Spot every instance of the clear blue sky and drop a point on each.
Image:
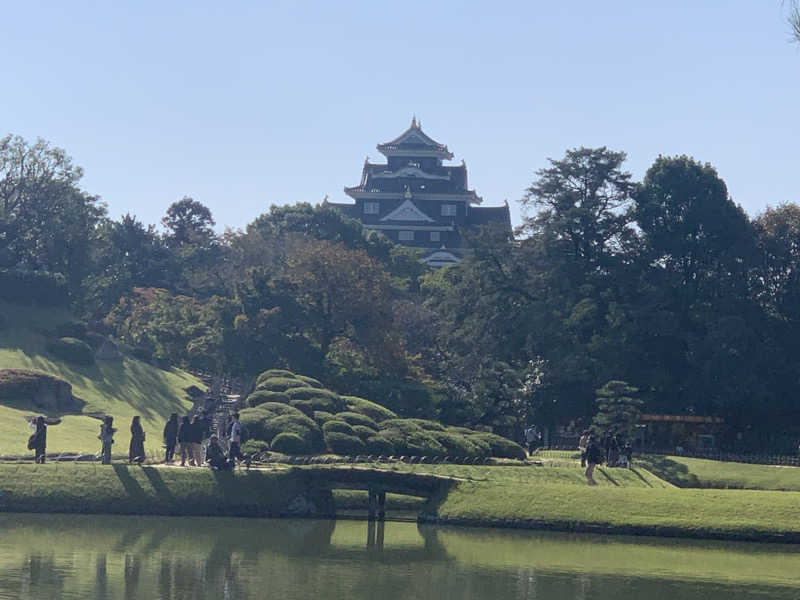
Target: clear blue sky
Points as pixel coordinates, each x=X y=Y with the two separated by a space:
x=246 y=104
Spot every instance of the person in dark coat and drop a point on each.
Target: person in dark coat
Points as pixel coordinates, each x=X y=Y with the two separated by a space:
x=185 y=440
x=106 y=437
x=136 y=448
x=38 y=442
x=215 y=455
x=170 y=437
x=594 y=457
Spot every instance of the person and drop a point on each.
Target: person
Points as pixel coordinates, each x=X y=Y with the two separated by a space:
x=583 y=442
x=215 y=455
x=38 y=440
x=530 y=438
x=594 y=457
x=236 y=439
x=612 y=449
x=136 y=448
x=627 y=454
x=196 y=431
x=170 y=437
x=185 y=440
x=106 y=437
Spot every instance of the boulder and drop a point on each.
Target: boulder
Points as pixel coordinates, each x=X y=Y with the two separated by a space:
x=46 y=392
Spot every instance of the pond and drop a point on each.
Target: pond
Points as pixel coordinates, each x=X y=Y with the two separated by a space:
x=81 y=556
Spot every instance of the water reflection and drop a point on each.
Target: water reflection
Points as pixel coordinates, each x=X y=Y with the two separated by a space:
x=55 y=556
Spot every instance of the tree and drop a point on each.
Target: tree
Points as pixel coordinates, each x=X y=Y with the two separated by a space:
x=46 y=221
x=794 y=20
x=618 y=409
x=582 y=203
x=189 y=223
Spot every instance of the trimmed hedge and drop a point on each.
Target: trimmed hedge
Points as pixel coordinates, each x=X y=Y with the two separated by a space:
x=38 y=287
x=357 y=419
x=279 y=408
x=265 y=425
x=254 y=447
x=290 y=443
x=72 y=350
x=338 y=427
x=458 y=444
x=271 y=373
x=341 y=443
x=261 y=396
x=410 y=439
x=321 y=416
x=363 y=431
x=279 y=384
x=374 y=411
x=309 y=393
x=379 y=445
x=310 y=381
x=502 y=447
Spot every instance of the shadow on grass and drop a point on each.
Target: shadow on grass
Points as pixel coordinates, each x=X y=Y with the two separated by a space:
x=640 y=476
x=669 y=470
x=160 y=488
x=607 y=476
x=132 y=488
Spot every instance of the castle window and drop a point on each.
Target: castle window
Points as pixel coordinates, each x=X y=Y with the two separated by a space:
x=436 y=236
x=405 y=236
x=448 y=210
x=372 y=208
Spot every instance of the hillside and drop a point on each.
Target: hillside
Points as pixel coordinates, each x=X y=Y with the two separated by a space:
x=122 y=388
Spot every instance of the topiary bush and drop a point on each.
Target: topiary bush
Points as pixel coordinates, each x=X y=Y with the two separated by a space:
x=357 y=419
x=363 y=431
x=278 y=408
x=379 y=445
x=457 y=444
x=374 y=411
x=338 y=427
x=290 y=443
x=410 y=439
x=279 y=384
x=254 y=447
x=341 y=443
x=312 y=399
x=71 y=350
x=320 y=416
x=501 y=447
x=261 y=396
x=270 y=373
x=310 y=381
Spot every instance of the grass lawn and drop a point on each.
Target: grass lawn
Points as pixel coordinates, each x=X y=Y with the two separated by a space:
x=121 y=388
x=704 y=473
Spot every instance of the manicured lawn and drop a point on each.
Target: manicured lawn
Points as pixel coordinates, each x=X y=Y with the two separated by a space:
x=121 y=388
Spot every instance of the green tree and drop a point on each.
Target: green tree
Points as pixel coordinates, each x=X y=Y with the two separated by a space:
x=618 y=409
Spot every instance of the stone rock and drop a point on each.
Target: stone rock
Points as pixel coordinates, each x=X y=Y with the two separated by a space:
x=108 y=351
x=46 y=392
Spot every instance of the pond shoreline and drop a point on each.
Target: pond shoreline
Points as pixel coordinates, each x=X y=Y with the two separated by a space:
x=533 y=503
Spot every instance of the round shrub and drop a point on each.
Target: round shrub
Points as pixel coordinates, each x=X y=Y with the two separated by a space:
x=262 y=396
x=269 y=373
x=290 y=443
x=461 y=430
x=341 y=443
x=71 y=350
x=428 y=425
x=338 y=427
x=356 y=419
x=502 y=447
x=457 y=444
x=279 y=384
x=410 y=439
x=278 y=408
x=310 y=381
x=254 y=447
x=374 y=411
x=307 y=393
x=379 y=445
x=363 y=431
x=320 y=416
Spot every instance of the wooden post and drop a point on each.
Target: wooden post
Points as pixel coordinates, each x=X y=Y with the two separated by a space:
x=381 y=505
x=373 y=501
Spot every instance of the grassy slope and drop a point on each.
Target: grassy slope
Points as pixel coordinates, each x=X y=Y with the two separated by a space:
x=703 y=473
x=119 y=388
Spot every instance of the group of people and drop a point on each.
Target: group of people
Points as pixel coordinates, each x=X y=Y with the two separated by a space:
x=187 y=436
x=609 y=450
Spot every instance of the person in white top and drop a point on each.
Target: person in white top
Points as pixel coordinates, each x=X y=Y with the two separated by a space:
x=236 y=440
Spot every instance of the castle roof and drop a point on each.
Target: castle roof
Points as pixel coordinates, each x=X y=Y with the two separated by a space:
x=414 y=142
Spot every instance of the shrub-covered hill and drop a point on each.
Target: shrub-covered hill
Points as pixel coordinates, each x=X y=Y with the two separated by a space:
x=40 y=347
x=295 y=414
